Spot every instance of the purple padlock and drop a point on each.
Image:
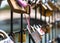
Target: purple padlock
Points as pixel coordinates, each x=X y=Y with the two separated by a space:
x=22 y=3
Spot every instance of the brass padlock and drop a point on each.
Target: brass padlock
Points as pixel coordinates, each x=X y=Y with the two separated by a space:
x=16 y=8
x=45 y=11
x=24 y=37
x=19 y=36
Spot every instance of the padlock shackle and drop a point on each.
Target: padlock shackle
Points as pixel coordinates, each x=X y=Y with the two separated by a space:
x=48 y=6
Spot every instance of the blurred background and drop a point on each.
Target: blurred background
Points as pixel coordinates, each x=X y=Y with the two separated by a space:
x=5 y=18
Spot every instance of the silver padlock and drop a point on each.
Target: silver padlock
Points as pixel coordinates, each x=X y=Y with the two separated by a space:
x=34 y=34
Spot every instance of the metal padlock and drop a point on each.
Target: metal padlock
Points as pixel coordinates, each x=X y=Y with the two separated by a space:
x=24 y=37
x=18 y=9
x=35 y=30
x=46 y=10
x=34 y=34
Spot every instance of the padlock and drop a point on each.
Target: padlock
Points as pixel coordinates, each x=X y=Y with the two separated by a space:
x=19 y=37
x=18 y=9
x=24 y=37
x=40 y=32
x=45 y=11
x=23 y=4
x=34 y=34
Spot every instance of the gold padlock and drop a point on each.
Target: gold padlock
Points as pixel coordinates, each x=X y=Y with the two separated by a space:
x=19 y=36
x=45 y=11
x=24 y=37
x=16 y=8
